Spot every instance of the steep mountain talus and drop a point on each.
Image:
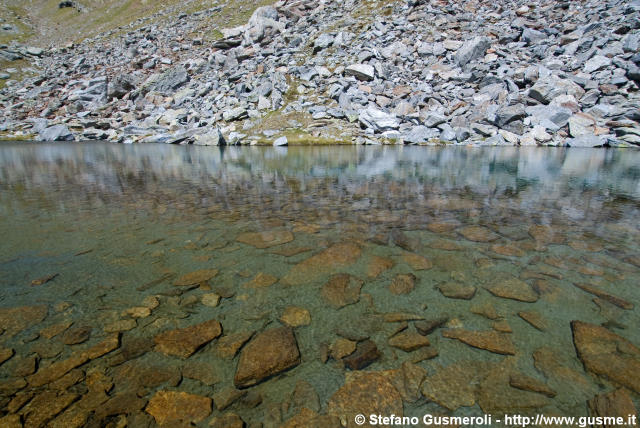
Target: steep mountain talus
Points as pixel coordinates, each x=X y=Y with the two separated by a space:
x=320 y=72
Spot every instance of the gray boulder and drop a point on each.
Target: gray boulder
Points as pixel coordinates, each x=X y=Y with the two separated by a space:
x=531 y=36
x=322 y=42
x=588 y=140
x=508 y=114
x=420 y=134
x=120 y=86
x=282 y=141
x=548 y=88
x=213 y=138
x=471 y=50
x=551 y=117
x=360 y=71
x=262 y=25
x=56 y=133
x=596 y=63
x=170 y=80
x=378 y=120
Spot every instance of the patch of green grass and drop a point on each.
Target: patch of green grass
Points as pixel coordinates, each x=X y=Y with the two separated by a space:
x=301 y=137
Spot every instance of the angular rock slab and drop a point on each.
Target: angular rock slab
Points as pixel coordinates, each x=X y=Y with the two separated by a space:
x=478 y=234
x=492 y=341
x=497 y=396
x=265 y=239
x=342 y=290
x=616 y=403
x=14 y=320
x=336 y=257
x=514 y=289
x=456 y=385
x=196 y=277
x=365 y=393
x=606 y=354
x=269 y=353
x=184 y=342
x=177 y=408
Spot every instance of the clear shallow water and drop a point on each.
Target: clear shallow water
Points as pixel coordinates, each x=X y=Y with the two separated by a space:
x=117 y=224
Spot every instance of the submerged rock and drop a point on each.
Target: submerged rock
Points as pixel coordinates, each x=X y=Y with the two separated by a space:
x=295 y=317
x=456 y=290
x=327 y=261
x=269 y=353
x=366 y=353
x=403 y=284
x=489 y=340
x=513 y=288
x=478 y=234
x=265 y=239
x=366 y=393
x=342 y=290
x=196 y=277
x=178 y=408
x=15 y=320
x=408 y=341
x=456 y=385
x=606 y=354
x=617 y=404
x=184 y=342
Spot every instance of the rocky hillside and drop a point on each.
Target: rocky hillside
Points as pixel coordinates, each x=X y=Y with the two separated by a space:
x=352 y=72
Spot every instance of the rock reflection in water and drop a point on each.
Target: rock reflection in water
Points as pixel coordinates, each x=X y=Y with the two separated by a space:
x=300 y=286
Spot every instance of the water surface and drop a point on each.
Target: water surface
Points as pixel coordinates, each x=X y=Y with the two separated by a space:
x=92 y=230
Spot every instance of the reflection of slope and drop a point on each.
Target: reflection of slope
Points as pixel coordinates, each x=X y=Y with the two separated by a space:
x=544 y=174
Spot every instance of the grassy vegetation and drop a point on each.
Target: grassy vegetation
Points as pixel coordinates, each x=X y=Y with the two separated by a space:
x=59 y=26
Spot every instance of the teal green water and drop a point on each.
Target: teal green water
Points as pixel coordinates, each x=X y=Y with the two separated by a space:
x=116 y=224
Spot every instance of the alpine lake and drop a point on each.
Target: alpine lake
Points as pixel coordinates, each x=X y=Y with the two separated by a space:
x=158 y=285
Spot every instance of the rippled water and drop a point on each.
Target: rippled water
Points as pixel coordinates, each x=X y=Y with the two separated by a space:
x=477 y=238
